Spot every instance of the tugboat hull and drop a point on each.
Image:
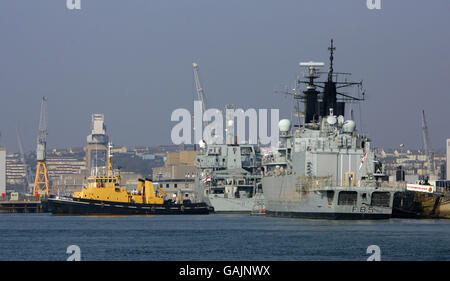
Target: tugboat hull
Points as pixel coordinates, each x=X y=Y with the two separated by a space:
x=77 y=206
x=410 y=204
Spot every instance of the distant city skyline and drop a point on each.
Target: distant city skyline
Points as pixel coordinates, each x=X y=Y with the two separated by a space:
x=132 y=62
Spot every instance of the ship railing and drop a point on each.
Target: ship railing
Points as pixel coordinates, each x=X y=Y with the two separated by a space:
x=277 y=172
x=312 y=183
x=273 y=159
x=387 y=185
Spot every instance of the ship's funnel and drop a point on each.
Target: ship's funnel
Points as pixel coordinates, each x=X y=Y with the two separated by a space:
x=140 y=186
x=149 y=191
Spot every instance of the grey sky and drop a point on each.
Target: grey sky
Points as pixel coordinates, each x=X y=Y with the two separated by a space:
x=132 y=61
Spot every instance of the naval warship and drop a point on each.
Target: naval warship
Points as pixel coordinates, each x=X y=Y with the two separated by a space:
x=324 y=168
x=230 y=177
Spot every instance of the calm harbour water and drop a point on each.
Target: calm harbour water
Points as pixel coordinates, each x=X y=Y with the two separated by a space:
x=43 y=237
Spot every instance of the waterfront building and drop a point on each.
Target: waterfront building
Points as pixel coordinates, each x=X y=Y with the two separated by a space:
x=15 y=169
x=2 y=171
x=448 y=159
x=177 y=177
x=97 y=142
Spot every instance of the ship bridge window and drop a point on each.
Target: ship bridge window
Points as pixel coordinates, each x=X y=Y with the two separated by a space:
x=443 y=184
x=330 y=196
x=381 y=199
x=347 y=198
x=218 y=191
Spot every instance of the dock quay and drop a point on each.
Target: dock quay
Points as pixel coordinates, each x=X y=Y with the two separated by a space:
x=18 y=206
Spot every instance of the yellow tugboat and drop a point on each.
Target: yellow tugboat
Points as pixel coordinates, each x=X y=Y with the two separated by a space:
x=104 y=195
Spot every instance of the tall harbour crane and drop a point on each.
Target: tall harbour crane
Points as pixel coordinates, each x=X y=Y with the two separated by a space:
x=28 y=173
x=202 y=98
x=426 y=143
x=199 y=88
x=200 y=95
x=41 y=183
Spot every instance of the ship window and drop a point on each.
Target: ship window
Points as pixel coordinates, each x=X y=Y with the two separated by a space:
x=347 y=198
x=381 y=199
x=167 y=185
x=330 y=196
x=175 y=185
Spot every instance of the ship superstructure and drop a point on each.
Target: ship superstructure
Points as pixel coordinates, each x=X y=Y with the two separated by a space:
x=324 y=168
x=230 y=177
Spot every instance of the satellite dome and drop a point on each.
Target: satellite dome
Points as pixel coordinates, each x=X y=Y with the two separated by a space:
x=284 y=125
x=340 y=119
x=349 y=126
x=202 y=143
x=230 y=123
x=331 y=120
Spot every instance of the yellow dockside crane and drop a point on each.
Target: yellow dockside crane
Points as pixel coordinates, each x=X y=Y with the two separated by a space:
x=41 y=183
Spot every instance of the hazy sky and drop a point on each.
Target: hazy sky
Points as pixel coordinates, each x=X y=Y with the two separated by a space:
x=132 y=61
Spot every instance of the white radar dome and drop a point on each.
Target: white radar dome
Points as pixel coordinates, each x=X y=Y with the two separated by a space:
x=349 y=126
x=230 y=123
x=202 y=144
x=284 y=125
x=331 y=120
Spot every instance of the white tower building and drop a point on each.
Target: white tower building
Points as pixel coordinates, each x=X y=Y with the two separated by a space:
x=2 y=171
x=97 y=141
x=448 y=159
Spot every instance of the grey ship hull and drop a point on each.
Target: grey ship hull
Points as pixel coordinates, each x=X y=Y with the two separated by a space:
x=231 y=205
x=284 y=198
